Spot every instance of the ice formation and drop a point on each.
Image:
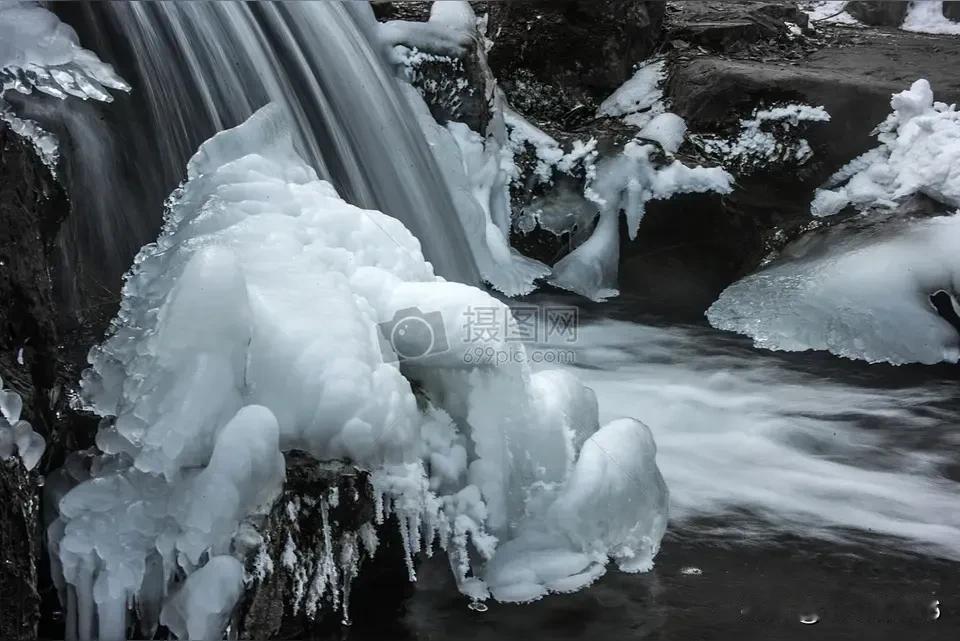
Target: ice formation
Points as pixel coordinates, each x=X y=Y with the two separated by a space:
x=919 y=152
x=256 y=323
x=17 y=436
x=768 y=137
x=926 y=16
x=626 y=183
x=858 y=294
x=38 y=52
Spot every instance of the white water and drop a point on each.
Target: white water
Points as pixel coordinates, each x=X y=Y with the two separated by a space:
x=752 y=447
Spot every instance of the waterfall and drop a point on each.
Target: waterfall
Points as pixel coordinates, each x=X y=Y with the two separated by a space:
x=201 y=67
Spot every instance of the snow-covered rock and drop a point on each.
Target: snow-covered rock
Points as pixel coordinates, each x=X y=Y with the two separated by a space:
x=769 y=140
x=919 y=153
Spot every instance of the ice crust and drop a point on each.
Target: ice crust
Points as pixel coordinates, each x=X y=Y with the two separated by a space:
x=862 y=295
x=252 y=326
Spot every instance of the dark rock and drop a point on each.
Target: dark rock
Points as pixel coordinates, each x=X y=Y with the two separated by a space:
x=575 y=52
x=19 y=552
x=730 y=27
x=33 y=206
x=951 y=10
x=321 y=516
x=885 y=13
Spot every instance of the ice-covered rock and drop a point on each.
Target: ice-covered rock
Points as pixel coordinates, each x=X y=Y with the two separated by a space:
x=919 y=152
x=39 y=52
x=272 y=315
x=476 y=165
x=862 y=294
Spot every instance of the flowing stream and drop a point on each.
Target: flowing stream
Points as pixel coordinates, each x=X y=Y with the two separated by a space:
x=806 y=490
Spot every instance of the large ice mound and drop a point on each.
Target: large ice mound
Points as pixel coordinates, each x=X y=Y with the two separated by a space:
x=858 y=294
x=253 y=325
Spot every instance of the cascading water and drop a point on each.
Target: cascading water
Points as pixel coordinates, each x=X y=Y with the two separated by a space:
x=199 y=68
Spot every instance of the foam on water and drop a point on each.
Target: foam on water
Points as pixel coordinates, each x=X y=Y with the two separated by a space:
x=750 y=442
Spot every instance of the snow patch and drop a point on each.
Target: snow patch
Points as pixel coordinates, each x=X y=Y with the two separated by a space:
x=829 y=12
x=640 y=98
x=919 y=153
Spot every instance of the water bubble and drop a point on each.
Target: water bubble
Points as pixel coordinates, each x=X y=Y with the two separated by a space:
x=478 y=606
x=691 y=571
x=809 y=619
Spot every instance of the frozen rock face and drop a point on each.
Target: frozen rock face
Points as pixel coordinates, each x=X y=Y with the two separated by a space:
x=271 y=315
